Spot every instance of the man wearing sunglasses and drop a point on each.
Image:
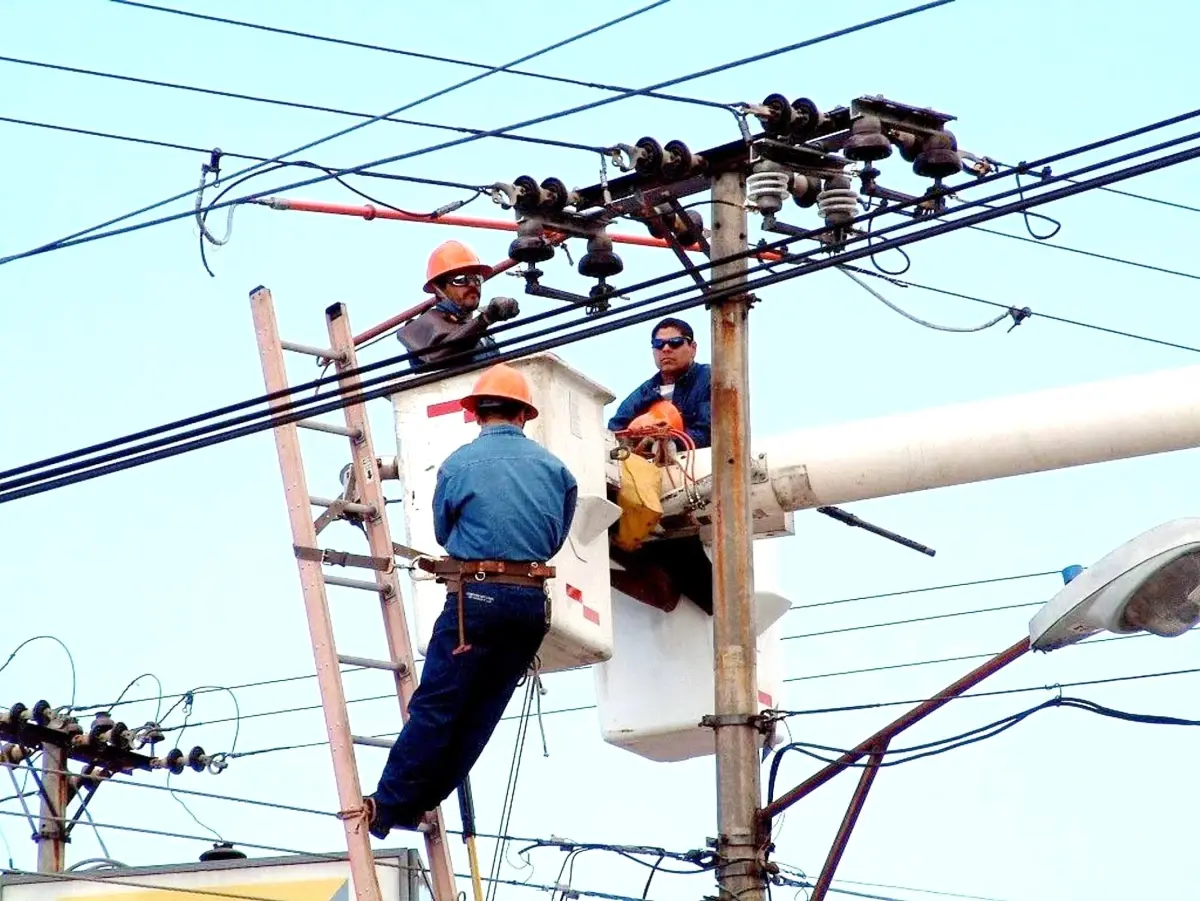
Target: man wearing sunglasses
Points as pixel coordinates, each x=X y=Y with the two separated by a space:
x=680 y=379
x=455 y=276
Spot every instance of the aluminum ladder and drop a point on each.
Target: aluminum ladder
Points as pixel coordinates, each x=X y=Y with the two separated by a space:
x=363 y=499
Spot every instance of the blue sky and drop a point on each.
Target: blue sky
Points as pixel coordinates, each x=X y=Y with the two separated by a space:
x=183 y=568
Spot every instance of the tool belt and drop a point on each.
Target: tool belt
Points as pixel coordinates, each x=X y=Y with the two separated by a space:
x=457 y=573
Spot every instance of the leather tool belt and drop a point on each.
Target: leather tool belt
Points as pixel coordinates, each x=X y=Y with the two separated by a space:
x=457 y=573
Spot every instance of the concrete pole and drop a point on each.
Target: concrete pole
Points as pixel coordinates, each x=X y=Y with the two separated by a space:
x=52 y=834
x=736 y=705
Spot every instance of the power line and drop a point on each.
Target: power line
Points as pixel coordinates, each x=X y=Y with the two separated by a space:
x=575 y=82
x=993 y=580
x=171 y=145
x=917 y=619
x=77 y=236
x=95 y=233
x=129 y=459
x=1056 y=686
x=293 y=104
x=1090 y=253
x=58 y=641
x=393 y=384
x=906 y=283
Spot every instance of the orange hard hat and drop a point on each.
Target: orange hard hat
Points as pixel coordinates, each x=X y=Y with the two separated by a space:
x=661 y=413
x=505 y=383
x=453 y=258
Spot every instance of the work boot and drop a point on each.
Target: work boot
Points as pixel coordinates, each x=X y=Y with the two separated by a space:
x=375 y=825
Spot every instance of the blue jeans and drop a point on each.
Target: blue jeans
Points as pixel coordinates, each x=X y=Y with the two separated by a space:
x=461 y=697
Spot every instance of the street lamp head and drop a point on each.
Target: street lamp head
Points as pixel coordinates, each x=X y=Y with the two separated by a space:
x=1149 y=584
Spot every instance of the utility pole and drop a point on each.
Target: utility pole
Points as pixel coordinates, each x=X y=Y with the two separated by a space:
x=54 y=792
x=736 y=702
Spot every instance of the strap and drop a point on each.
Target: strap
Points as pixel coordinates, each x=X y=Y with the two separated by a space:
x=330 y=557
x=448 y=566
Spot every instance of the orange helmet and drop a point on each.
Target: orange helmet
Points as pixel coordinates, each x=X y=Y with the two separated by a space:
x=661 y=414
x=453 y=258
x=505 y=383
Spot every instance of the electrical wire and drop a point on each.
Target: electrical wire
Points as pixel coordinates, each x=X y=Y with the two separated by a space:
x=532 y=684
x=995 y=693
x=293 y=104
x=171 y=145
x=576 y=82
x=159 y=699
x=188 y=704
x=1092 y=254
x=96 y=232
x=56 y=640
x=644 y=284
x=917 y=619
x=906 y=283
x=709 y=296
x=394 y=386
x=921 y=891
x=925 y=589
x=917 y=319
x=898 y=756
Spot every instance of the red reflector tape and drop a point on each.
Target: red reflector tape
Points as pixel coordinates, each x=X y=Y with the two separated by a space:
x=764 y=698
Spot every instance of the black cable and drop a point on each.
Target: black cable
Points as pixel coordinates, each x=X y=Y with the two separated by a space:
x=292 y=104
x=62 y=644
x=1089 y=253
x=993 y=580
x=940 y=227
x=906 y=283
x=995 y=693
x=576 y=82
x=94 y=232
x=917 y=619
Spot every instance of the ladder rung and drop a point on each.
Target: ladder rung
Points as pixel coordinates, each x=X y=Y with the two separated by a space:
x=372 y=742
x=347 y=506
x=324 y=353
x=356 y=583
x=356 y=434
x=394 y=666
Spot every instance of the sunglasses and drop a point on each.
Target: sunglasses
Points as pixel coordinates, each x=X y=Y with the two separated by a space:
x=674 y=343
x=461 y=281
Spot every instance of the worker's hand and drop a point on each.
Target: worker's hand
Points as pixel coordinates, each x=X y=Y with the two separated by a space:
x=500 y=309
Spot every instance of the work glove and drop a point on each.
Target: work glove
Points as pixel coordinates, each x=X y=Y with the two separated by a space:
x=500 y=309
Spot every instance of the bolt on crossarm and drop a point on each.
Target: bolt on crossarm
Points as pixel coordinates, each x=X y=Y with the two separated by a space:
x=739 y=842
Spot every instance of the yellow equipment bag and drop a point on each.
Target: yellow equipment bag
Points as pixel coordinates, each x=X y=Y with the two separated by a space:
x=639 y=500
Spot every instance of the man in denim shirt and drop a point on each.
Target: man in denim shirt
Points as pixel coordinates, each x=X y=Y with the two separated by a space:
x=503 y=497
x=680 y=379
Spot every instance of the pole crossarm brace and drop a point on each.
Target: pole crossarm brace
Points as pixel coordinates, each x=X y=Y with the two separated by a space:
x=874 y=748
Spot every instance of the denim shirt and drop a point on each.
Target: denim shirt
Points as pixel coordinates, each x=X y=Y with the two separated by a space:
x=692 y=397
x=503 y=497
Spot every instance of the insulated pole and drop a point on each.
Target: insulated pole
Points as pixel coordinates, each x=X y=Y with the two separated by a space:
x=52 y=828
x=741 y=874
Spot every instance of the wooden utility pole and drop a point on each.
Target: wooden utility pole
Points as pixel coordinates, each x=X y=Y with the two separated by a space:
x=736 y=703
x=52 y=825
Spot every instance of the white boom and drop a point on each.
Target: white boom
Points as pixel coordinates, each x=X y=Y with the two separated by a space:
x=972 y=442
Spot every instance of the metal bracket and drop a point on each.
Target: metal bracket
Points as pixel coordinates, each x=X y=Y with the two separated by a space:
x=763 y=722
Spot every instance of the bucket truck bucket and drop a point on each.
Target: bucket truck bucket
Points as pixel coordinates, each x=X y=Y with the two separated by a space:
x=431 y=424
x=658 y=684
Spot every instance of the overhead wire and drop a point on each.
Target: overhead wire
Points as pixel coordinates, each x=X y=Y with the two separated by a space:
x=96 y=232
x=92 y=231
x=62 y=644
x=940 y=227
x=911 y=317
x=429 y=57
x=1120 y=333
x=294 y=104
x=917 y=619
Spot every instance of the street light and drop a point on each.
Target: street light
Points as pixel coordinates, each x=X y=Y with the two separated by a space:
x=1149 y=584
